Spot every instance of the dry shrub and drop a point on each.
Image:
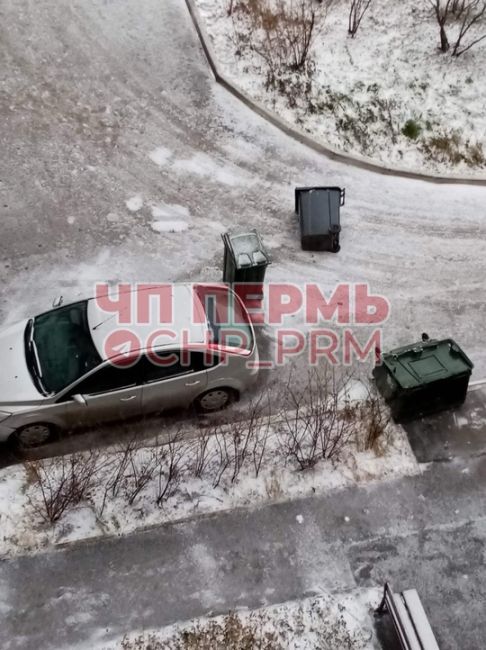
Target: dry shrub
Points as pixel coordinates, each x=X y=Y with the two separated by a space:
x=226 y=449
x=357 y=10
x=172 y=463
x=317 y=425
x=375 y=418
x=450 y=148
x=63 y=483
x=280 y=32
x=231 y=633
x=469 y=14
x=201 y=454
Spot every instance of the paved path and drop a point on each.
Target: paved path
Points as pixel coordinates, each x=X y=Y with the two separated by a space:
x=428 y=532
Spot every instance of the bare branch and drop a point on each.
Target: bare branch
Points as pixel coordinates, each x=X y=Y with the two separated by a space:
x=357 y=10
x=473 y=13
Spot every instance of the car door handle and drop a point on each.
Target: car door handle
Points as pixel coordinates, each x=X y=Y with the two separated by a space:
x=193 y=383
x=128 y=399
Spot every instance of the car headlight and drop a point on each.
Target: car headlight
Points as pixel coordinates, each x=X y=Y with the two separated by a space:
x=4 y=415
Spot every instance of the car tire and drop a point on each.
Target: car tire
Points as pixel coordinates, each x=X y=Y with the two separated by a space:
x=215 y=399
x=33 y=435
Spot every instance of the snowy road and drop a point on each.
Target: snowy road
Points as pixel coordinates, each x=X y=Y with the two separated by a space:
x=111 y=126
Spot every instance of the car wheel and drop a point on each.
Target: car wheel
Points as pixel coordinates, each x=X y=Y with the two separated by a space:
x=215 y=400
x=33 y=435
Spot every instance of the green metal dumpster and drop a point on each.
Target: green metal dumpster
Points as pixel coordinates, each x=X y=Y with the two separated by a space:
x=423 y=378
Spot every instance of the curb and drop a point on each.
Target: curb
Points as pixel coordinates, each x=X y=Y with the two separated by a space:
x=360 y=162
x=476 y=384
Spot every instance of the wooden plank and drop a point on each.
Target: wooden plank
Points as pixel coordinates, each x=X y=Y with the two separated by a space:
x=419 y=619
x=403 y=625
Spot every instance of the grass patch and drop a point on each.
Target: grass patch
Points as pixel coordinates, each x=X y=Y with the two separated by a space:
x=411 y=129
x=450 y=148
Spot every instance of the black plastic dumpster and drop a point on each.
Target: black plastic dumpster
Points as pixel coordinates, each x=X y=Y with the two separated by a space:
x=245 y=258
x=318 y=209
x=423 y=378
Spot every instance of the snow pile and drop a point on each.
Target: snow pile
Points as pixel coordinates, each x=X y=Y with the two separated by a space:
x=170 y=218
x=13 y=510
x=135 y=203
x=327 y=622
x=388 y=93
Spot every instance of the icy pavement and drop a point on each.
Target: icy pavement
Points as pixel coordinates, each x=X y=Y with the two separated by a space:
x=452 y=434
x=109 y=118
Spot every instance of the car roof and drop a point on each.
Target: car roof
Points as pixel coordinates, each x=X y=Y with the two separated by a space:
x=188 y=319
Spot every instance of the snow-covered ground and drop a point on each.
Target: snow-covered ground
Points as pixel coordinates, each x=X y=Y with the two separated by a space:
x=232 y=468
x=325 y=622
x=76 y=211
x=365 y=89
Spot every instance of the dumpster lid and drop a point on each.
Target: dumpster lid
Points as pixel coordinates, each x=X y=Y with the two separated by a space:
x=425 y=362
x=247 y=249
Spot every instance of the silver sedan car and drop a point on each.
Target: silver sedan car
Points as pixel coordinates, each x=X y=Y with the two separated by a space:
x=59 y=373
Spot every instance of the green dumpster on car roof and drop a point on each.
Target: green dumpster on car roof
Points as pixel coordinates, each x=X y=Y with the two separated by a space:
x=424 y=377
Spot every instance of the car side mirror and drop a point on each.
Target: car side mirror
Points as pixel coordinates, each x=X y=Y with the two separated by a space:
x=57 y=302
x=79 y=399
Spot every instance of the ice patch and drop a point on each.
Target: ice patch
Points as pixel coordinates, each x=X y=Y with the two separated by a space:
x=203 y=165
x=169 y=226
x=135 y=203
x=170 y=211
x=160 y=156
x=354 y=391
x=167 y=218
x=461 y=421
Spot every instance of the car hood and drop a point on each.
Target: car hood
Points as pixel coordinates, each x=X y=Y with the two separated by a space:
x=16 y=384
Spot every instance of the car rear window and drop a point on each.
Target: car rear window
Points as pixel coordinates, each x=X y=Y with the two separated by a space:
x=228 y=320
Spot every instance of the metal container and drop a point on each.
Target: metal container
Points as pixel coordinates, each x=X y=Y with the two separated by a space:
x=423 y=378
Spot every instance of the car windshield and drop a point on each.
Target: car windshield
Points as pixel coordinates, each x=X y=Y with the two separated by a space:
x=227 y=319
x=59 y=347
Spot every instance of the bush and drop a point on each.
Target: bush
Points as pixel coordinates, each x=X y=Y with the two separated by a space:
x=375 y=418
x=411 y=129
x=281 y=33
x=318 y=426
x=449 y=147
x=62 y=483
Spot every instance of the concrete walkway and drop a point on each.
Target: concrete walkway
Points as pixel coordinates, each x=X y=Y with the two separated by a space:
x=428 y=532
